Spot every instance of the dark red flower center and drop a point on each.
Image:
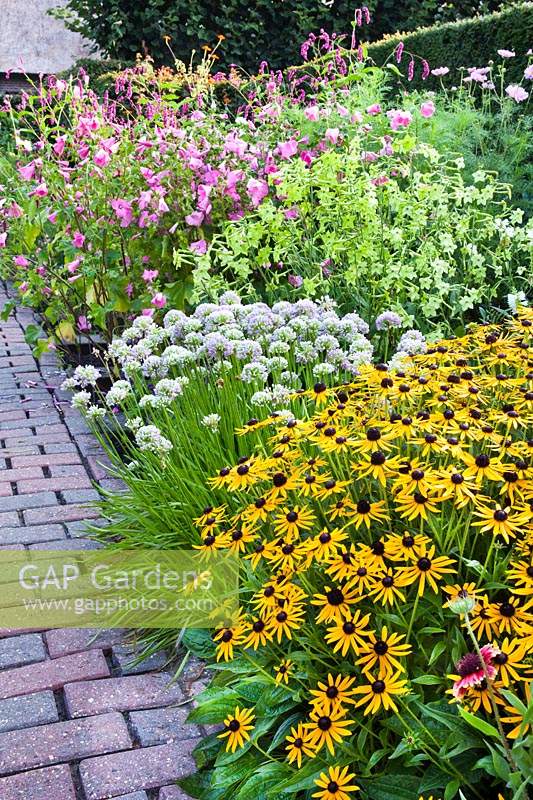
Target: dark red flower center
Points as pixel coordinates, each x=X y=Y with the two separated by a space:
x=468 y=664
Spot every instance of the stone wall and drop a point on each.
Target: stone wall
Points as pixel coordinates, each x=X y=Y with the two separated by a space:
x=31 y=41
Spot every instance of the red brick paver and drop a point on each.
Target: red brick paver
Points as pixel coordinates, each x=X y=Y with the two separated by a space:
x=66 y=732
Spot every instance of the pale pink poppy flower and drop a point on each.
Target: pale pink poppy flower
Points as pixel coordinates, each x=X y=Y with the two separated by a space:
x=427 y=109
x=516 y=93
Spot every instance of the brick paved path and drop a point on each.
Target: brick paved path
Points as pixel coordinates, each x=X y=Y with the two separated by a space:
x=77 y=720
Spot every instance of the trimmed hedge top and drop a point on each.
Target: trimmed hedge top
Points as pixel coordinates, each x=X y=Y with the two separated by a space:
x=467 y=43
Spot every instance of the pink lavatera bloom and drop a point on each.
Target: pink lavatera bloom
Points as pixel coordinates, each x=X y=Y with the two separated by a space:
x=78 y=240
x=3 y=239
x=21 y=261
x=150 y=275
x=332 y=135
x=101 y=158
x=288 y=149
x=312 y=113
x=27 y=171
x=40 y=191
x=195 y=219
x=159 y=300
x=257 y=190
x=15 y=211
x=59 y=145
x=199 y=247
x=123 y=211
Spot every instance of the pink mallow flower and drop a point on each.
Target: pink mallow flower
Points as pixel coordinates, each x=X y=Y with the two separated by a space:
x=374 y=110
x=471 y=672
x=23 y=287
x=440 y=71
x=150 y=275
x=427 y=109
x=72 y=266
x=40 y=191
x=399 y=118
x=20 y=261
x=516 y=92
x=159 y=300
x=59 y=145
x=3 y=238
x=506 y=53
x=528 y=73
x=199 y=247
x=312 y=113
x=15 y=211
x=332 y=135
x=27 y=171
x=288 y=149
x=195 y=219
x=101 y=158
x=257 y=190
x=123 y=210
x=78 y=240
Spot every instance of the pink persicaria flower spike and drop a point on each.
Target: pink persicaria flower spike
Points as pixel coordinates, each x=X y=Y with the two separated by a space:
x=471 y=672
x=427 y=109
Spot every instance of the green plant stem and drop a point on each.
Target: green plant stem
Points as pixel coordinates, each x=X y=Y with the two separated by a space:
x=492 y=696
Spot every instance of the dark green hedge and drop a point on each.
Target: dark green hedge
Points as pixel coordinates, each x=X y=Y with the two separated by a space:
x=253 y=29
x=468 y=43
